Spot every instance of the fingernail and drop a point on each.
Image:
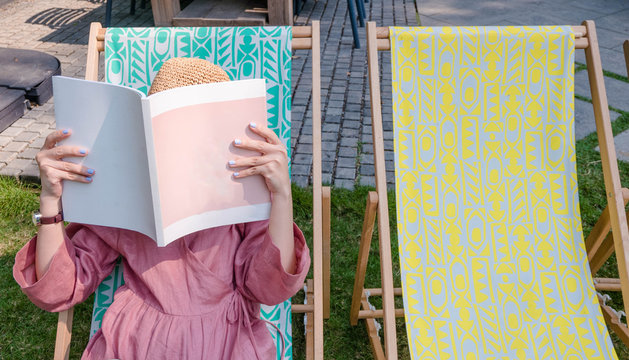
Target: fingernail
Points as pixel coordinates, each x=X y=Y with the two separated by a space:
x=253 y=125
x=232 y=162
x=88 y=178
x=236 y=174
x=82 y=151
x=65 y=131
x=237 y=142
x=90 y=171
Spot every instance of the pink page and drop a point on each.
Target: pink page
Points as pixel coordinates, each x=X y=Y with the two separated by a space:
x=192 y=146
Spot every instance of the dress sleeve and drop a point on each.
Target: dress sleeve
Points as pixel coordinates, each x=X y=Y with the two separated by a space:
x=260 y=275
x=76 y=269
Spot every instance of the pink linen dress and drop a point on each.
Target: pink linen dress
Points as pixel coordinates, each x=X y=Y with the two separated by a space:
x=197 y=298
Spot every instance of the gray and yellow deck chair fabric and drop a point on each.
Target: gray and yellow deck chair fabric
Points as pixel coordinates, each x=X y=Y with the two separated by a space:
x=492 y=258
x=133 y=56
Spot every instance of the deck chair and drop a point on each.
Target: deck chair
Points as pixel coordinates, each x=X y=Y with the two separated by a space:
x=459 y=265
x=132 y=58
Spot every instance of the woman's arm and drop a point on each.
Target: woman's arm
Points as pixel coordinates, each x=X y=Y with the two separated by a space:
x=273 y=166
x=53 y=170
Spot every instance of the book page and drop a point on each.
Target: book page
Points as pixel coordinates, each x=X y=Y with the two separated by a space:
x=192 y=130
x=106 y=120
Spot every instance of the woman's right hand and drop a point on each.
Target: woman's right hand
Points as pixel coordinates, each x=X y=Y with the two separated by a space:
x=53 y=169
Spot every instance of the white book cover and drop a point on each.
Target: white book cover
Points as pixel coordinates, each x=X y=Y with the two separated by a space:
x=161 y=161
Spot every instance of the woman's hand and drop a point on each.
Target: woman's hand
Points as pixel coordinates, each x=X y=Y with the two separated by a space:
x=53 y=169
x=272 y=164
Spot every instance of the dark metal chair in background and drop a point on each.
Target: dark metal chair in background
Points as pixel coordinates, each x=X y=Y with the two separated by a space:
x=108 y=6
x=360 y=6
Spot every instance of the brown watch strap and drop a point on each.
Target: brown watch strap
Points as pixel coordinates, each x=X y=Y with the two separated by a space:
x=52 y=219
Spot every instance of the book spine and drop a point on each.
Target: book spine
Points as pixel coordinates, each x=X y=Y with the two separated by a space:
x=150 y=152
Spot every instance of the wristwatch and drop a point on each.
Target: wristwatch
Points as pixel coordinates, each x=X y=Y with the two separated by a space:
x=38 y=219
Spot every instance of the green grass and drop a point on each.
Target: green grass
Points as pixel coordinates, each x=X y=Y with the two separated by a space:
x=28 y=333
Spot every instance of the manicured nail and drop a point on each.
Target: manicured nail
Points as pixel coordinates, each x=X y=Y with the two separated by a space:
x=88 y=178
x=237 y=142
x=82 y=151
x=253 y=125
x=236 y=174
x=65 y=131
x=232 y=162
x=90 y=171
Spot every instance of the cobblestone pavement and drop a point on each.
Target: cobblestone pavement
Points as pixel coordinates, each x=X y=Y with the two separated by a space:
x=60 y=28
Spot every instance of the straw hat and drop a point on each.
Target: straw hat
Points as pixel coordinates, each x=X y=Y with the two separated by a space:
x=178 y=72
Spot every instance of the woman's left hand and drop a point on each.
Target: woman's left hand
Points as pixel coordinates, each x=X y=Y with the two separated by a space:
x=272 y=164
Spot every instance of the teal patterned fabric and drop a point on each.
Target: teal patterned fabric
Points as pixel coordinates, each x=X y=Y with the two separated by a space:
x=133 y=56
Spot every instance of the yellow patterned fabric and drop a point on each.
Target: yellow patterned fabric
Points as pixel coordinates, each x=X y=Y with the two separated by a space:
x=491 y=249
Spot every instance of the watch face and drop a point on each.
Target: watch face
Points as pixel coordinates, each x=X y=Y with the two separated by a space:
x=36 y=218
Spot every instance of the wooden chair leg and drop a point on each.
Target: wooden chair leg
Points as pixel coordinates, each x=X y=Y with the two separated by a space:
x=64 y=335
x=612 y=320
x=609 y=162
x=327 y=208
x=599 y=243
x=625 y=47
x=372 y=332
x=363 y=255
x=309 y=318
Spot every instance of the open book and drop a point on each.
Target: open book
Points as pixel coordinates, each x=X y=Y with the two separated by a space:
x=161 y=161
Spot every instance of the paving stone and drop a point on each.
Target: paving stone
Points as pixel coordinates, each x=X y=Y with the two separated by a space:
x=300 y=169
x=302 y=159
x=19 y=164
x=10 y=172
x=347 y=152
x=367 y=169
x=300 y=180
x=333 y=128
x=329 y=145
x=12 y=131
x=4 y=140
x=584 y=118
x=7 y=156
x=346 y=173
x=15 y=147
x=23 y=122
x=367 y=181
x=351 y=124
x=345 y=162
x=616 y=21
x=38 y=128
x=616 y=90
x=29 y=154
x=344 y=183
x=350 y=141
x=26 y=136
x=327 y=167
x=621 y=142
x=46 y=119
x=33 y=114
x=38 y=143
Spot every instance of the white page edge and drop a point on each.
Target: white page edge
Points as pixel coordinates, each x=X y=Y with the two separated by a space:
x=215 y=218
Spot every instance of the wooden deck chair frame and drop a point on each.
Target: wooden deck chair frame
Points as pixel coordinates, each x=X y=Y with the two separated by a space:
x=600 y=243
x=317 y=306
